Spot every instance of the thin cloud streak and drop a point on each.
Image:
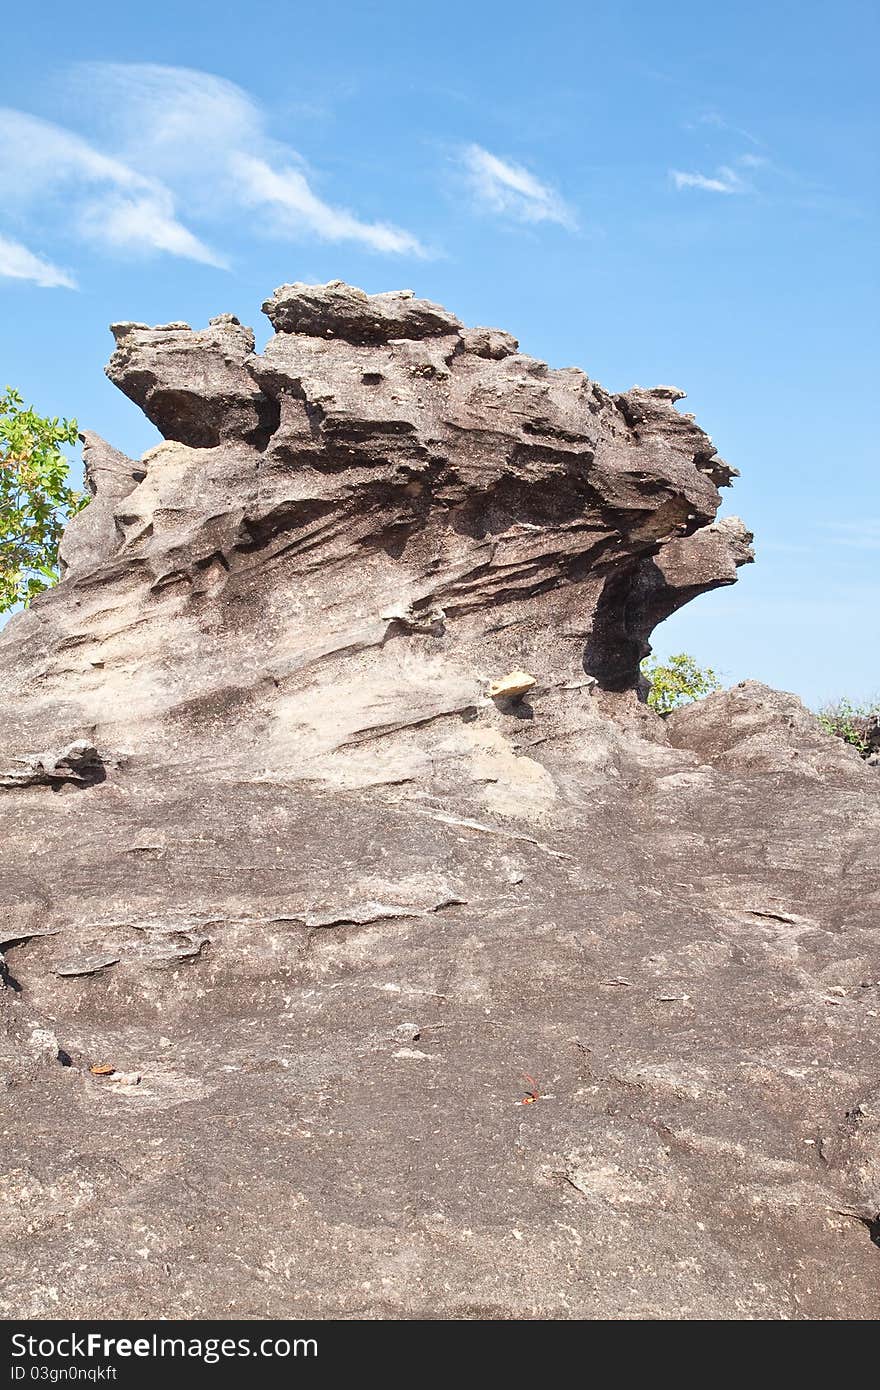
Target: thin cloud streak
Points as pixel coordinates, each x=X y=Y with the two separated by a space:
x=724 y=180
x=510 y=189
x=18 y=263
x=296 y=206
x=712 y=118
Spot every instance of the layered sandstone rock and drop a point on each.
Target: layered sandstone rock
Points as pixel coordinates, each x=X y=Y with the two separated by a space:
x=376 y=828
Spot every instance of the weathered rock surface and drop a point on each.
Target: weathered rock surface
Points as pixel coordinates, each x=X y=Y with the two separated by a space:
x=80 y=762
x=751 y=728
x=336 y=906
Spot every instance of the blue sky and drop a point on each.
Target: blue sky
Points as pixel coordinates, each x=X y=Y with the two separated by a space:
x=677 y=193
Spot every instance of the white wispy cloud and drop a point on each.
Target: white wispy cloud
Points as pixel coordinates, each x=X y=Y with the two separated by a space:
x=713 y=118
x=205 y=134
x=726 y=178
x=145 y=221
x=107 y=200
x=18 y=263
x=511 y=189
x=296 y=207
x=168 y=148
x=723 y=180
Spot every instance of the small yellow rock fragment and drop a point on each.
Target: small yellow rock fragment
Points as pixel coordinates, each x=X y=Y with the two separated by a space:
x=510 y=686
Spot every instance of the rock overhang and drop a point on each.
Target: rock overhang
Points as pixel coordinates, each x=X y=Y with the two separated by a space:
x=378 y=456
x=394 y=399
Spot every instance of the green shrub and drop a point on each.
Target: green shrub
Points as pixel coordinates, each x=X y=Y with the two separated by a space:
x=677 y=681
x=36 y=501
x=851 y=722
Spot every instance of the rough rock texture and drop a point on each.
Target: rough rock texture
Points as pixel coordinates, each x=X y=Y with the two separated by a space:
x=80 y=762
x=752 y=728
x=342 y=911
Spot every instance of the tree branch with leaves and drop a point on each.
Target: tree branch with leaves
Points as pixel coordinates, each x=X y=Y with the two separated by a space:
x=36 y=499
x=677 y=681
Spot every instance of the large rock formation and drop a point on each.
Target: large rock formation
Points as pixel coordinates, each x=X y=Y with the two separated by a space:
x=333 y=815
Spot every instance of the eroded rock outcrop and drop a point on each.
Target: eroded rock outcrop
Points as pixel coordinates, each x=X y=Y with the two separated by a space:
x=377 y=459
x=79 y=763
x=388 y=843
x=753 y=729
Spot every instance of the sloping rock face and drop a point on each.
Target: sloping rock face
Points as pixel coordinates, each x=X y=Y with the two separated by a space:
x=437 y=975
x=752 y=728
